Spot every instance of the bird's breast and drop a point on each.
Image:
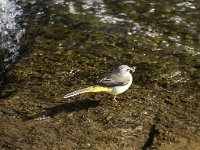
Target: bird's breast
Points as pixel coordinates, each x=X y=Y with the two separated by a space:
x=120 y=89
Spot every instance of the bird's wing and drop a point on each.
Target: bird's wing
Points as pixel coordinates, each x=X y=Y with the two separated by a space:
x=113 y=80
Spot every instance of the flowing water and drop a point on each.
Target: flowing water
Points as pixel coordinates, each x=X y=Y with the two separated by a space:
x=10 y=33
x=172 y=25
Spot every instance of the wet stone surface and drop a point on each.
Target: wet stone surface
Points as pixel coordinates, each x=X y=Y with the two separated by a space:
x=74 y=47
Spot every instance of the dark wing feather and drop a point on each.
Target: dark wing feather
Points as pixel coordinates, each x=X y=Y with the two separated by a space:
x=112 y=80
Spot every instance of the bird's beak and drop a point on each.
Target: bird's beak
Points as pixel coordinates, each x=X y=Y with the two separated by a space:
x=133 y=69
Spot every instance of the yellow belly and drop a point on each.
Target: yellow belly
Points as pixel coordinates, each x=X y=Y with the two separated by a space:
x=101 y=89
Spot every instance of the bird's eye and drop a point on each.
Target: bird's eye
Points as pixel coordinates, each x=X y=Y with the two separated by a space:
x=127 y=69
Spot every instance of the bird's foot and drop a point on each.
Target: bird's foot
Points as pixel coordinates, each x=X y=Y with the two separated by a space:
x=114 y=99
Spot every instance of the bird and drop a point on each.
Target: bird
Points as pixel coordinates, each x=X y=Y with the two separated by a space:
x=114 y=83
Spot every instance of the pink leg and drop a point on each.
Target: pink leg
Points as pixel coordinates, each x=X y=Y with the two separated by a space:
x=114 y=98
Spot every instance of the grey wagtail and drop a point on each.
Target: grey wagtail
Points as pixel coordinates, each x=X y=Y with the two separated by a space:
x=115 y=83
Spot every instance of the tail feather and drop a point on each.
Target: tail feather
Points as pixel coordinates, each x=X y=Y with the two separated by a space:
x=77 y=92
x=89 y=89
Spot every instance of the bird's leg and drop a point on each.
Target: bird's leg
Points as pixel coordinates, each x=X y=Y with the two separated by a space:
x=114 y=98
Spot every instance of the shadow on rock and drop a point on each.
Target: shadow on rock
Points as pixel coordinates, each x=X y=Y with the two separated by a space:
x=63 y=108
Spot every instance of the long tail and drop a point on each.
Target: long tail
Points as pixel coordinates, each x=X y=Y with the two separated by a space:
x=89 y=89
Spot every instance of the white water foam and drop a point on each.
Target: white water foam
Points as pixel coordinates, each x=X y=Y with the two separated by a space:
x=10 y=32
